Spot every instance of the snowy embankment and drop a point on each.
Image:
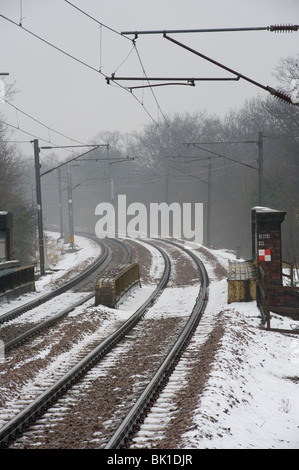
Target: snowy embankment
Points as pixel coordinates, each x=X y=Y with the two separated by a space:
x=62 y=266
x=251 y=398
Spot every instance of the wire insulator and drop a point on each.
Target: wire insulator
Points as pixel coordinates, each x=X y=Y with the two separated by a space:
x=283 y=28
x=280 y=95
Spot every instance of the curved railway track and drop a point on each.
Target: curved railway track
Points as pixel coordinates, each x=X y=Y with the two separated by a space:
x=151 y=392
x=74 y=283
x=137 y=412
x=20 y=422
x=50 y=295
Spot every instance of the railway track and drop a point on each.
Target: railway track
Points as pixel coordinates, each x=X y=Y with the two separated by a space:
x=50 y=295
x=51 y=319
x=136 y=412
x=147 y=399
x=50 y=395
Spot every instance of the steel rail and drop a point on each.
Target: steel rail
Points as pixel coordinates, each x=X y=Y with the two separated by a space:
x=21 y=339
x=127 y=251
x=50 y=295
x=40 y=405
x=164 y=371
x=69 y=285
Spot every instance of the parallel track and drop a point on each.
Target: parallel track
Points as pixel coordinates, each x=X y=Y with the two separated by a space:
x=149 y=396
x=40 y=405
x=50 y=295
x=21 y=339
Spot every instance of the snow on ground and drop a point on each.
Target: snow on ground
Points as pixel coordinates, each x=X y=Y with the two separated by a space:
x=251 y=398
x=86 y=252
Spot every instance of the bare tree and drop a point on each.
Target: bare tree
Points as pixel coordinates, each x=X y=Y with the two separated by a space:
x=13 y=198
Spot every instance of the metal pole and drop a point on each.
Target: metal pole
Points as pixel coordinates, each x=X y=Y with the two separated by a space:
x=279 y=94
x=209 y=206
x=39 y=208
x=60 y=203
x=281 y=28
x=261 y=169
x=70 y=204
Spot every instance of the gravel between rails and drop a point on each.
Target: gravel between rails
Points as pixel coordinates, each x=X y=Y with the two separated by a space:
x=83 y=423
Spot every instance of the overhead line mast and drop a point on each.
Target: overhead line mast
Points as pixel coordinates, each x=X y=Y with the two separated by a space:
x=273 y=28
x=166 y=81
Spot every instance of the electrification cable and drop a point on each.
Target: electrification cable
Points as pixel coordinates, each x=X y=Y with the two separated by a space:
x=137 y=52
x=224 y=156
x=41 y=123
x=155 y=98
x=51 y=45
x=74 y=58
x=55 y=146
x=26 y=132
x=97 y=21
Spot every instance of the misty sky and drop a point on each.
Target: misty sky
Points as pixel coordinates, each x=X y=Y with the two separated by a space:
x=74 y=98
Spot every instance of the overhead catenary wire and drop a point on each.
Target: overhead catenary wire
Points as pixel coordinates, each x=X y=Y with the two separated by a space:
x=225 y=157
x=97 y=21
x=71 y=56
x=152 y=91
x=51 y=45
x=102 y=25
x=55 y=146
x=26 y=132
x=41 y=123
x=138 y=55
x=276 y=28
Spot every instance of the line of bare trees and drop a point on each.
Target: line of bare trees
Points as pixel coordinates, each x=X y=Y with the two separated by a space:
x=15 y=185
x=187 y=158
